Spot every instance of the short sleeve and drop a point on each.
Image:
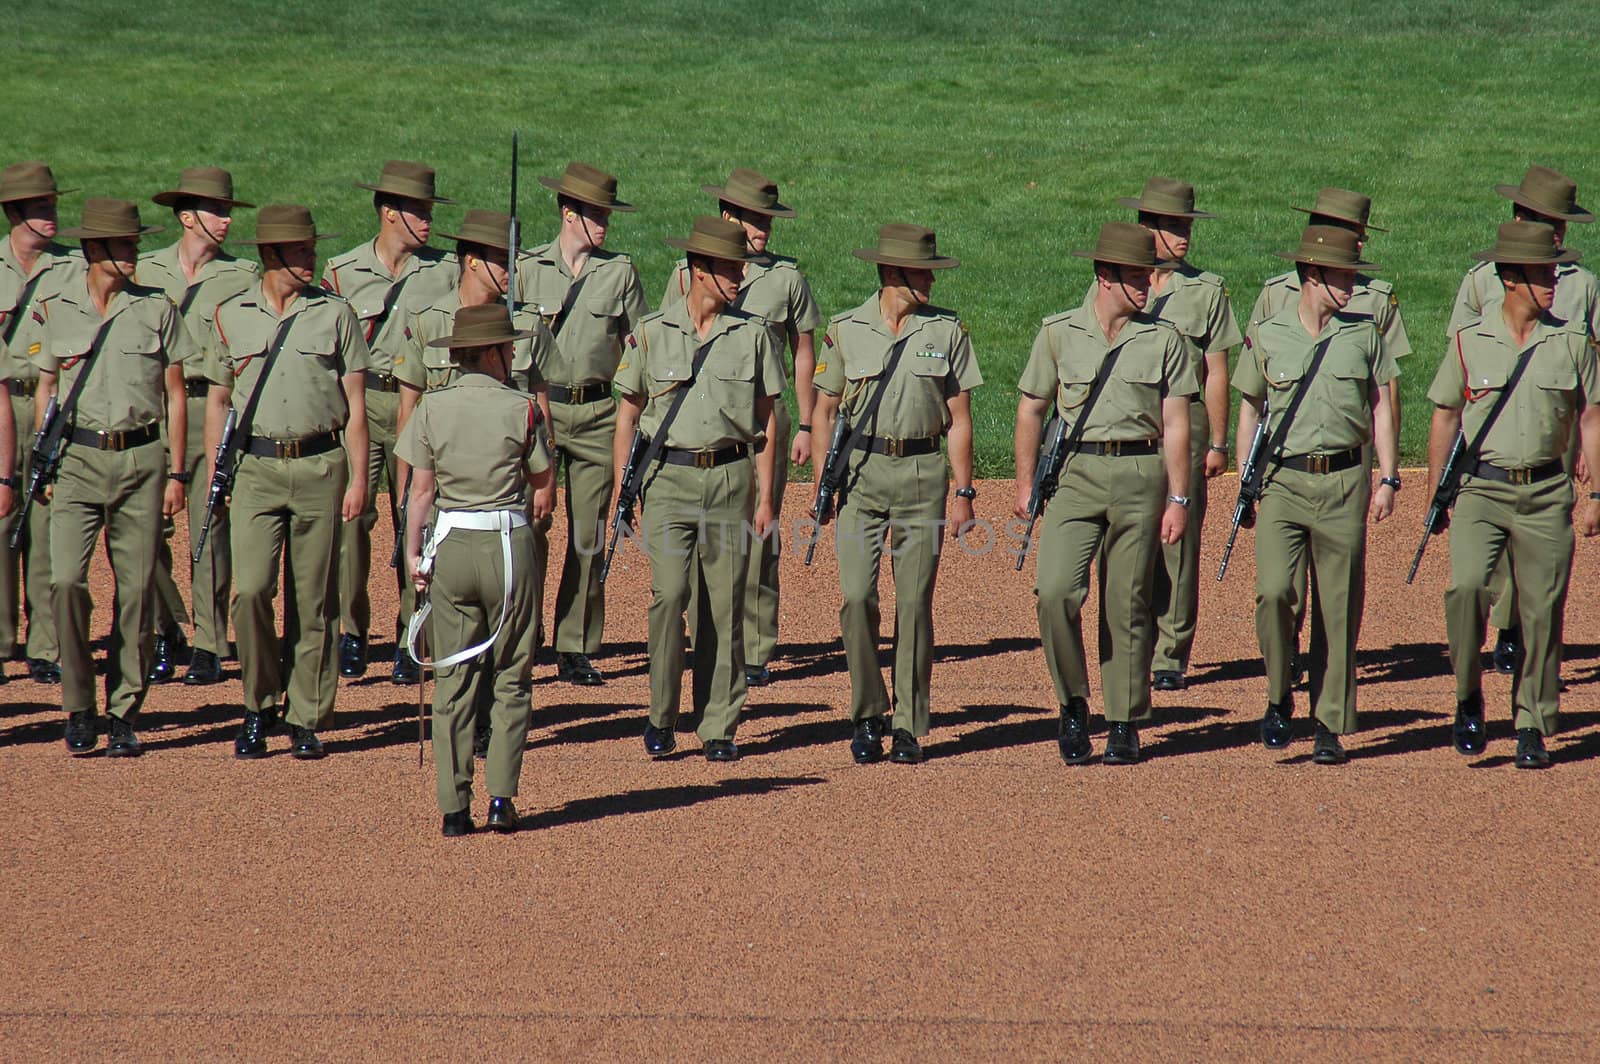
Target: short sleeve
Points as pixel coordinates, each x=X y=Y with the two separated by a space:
x=1247 y=376
x=964 y=370
x=1222 y=331
x=1042 y=375
x=1176 y=367
x=1467 y=305
x=1449 y=381
x=177 y=342
x=771 y=365
x=1589 y=371
x=804 y=314
x=353 y=348
x=414 y=445
x=829 y=374
x=1384 y=366
x=630 y=370
x=634 y=307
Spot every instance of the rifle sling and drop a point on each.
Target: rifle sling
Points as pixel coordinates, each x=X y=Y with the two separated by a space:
x=65 y=411
x=241 y=428
x=1281 y=433
x=22 y=304
x=859 y=422
x=568 y=301
x=1096 y=386
x=659 y=439
x=1482 y=435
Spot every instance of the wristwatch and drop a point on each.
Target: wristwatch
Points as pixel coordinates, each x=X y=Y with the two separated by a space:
x=16 y=482
x=182 y=476
x=1393 y=482
x=1219 y=448
x=1181 y=500
x=802 y=427
x=966 y=493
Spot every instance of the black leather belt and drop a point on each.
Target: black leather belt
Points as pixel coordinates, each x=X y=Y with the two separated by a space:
x=305 y=447
x=197 y=387
x=18 y=386
x=1336 y=462
x=703 y=459
x=117 y=441
x=1116 y=448
x=1485 y=471
x=583 y=393
x=382 y=382
x=898 y=448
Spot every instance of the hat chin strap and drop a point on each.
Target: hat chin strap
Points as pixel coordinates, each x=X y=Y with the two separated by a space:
x=403 y=221
x=215 y=239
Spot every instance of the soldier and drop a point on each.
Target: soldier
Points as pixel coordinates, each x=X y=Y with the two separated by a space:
x=295 y=386
x=1196 y=304
x=33 y=268
x=699 y=382
x=592 y=300
x=482 y=249
x=196 y=274
x=1371 y=297
x=1517 y=382
x=909 y=370
x=1551 y=198
x=475 y=447
x=111 y=352
x=1327 y=373
x=775 y=291
x=1123 y=382
x=371 y=278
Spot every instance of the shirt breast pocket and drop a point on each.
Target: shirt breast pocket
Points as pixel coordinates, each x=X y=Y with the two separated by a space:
x=318 y=351
x=1556 y=388
x=602 y=314
x=864 y=367
x=734 y=380
x=1075 y=380
x=1348 y=366
x=666 y=373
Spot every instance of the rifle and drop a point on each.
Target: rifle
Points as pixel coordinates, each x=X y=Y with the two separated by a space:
x=222 y=473
x=632 y=481
x=833 y=470
x=1046 y=476
x=400 y=521
x=1444 y=497
x=1255 y=467
x=44 y=461
x=512 y=235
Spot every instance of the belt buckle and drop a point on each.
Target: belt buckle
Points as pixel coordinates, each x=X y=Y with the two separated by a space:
x=1519 y=476
x=705 y=459
x=894 y=448
x=110 y=441
x=1111 y=449
x=1318 y=463
x=289 y=449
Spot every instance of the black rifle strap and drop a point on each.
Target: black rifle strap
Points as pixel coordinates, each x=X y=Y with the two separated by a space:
x=189 y=296
x=859 y=421
x=64 y=411
x=1281 y=433
x=568 y=301
x=1472 y=451
x=22 y=305
x=659 y=440
x=1096 y=386
x=241 y=428
x=390 y=298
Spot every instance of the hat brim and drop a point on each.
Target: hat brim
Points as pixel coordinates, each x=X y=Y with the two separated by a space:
x=615 y=205
x=1342 y=218
x=1159 y=264
x=871 y=255
x=682 y=244
x=504 y=245
x=18 y=198
x=777 y=210
x=1358 y=266
x=1514 y=194
x=450 y=343
x=405 y=195
x=170 y=199
x=80 y=233
x=1139 y=205
x=257 y=242
x=1560 y=258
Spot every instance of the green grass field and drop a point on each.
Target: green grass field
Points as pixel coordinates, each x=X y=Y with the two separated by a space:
x=1011 y=128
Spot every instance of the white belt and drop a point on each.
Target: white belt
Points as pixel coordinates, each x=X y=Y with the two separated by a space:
x=445 y=522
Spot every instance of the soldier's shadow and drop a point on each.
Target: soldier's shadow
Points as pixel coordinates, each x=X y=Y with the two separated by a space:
x=659 y=799
x=1403 y=661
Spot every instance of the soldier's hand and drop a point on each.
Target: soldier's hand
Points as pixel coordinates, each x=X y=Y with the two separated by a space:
x=1248 y=519
x=800 y=449
x=1173 y=522
x=1024 y=496
x=1443 y=525
x=1382 y=503
x=8 y=499
x=960 y=517
x=173 y=499
x=355 y=500
x=825 y=516
x=1591 y=520
x=419 y=580
x=1216 y=464
x=1582 y=470
x=544 y=502
x=763 y=519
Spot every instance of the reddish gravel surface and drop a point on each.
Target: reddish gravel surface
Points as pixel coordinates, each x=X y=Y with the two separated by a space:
x=1216 y=901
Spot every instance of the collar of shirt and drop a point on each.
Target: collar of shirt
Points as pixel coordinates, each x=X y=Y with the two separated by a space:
x=870 y=315
x=53 y=255
x=1085 y=320
x=677 y=316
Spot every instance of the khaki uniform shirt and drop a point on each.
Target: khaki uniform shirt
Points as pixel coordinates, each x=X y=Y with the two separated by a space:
x=480 y=439
x=1153 y=365
x=773 y=290
x=427 y=368
x=609 y=308
x=1577 y=297
x=367 y=285
x=1195 y=303
x=1371 y=298
x=937 y=364
x=218 y=279
x=126 y=387
x=57 y=268
x=720 y=409
x=304 y=395
x=1336 y=414
x=1537 y=423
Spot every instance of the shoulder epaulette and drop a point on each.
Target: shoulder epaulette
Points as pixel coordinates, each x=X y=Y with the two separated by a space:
x=1378 y=284
x=1054 y=318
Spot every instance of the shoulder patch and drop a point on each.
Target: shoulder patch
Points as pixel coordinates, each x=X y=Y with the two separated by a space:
x=827 y=341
